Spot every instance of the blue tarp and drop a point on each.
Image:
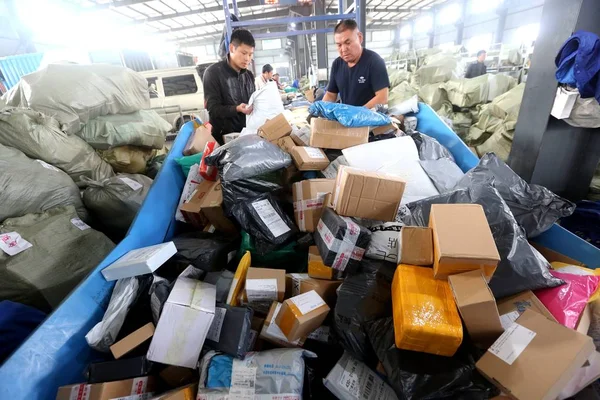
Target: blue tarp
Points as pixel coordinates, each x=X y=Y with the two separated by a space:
x=56 y=353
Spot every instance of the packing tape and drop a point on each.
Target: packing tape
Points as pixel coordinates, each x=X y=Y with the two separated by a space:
x=346 y=248
x=301 y=216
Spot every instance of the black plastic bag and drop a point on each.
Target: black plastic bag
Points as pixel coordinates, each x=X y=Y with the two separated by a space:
x=264 y=220
x=429 y=148
x=230 y=330
x=521 y=267
x=534 y=207
x=154 y=165
x=249 y=188
x=383 y=136
x=222 y=280
x=363 y=297
x=416 y=375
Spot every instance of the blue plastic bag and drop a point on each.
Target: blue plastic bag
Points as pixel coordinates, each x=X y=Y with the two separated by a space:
x=349 y=116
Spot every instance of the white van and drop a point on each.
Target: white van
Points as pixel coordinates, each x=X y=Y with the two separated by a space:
x=176 y=94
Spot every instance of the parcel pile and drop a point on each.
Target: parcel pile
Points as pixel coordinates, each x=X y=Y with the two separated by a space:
x=59 y=197
x=347 y=267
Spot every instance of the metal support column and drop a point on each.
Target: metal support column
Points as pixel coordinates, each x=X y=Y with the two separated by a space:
x=431 y=32
x=227 y=24
x=322 y=62
x=502 y=13
x=460 y=25
x=236 y=11
x=545 y=150
x=361 y=18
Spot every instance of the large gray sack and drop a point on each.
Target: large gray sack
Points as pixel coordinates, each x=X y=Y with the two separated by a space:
x=143 y=128
x=116 y=201
x=75 y=94
x=39 y=136
x=29 y=186
x=63 y=252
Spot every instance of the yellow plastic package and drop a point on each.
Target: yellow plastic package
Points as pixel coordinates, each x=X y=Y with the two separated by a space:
x=239 y=280
x=425 y=315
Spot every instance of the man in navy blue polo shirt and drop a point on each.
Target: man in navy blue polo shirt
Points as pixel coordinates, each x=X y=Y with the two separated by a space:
x=358 y=75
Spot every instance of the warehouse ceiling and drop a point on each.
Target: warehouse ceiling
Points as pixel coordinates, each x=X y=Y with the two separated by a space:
x=183 y=21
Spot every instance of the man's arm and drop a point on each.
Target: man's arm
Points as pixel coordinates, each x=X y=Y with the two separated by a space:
x=213 y=98
x=381 y=97
x=380 y=82
x=330 y=97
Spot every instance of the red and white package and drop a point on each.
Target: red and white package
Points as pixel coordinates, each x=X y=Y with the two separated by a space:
x=208 y=172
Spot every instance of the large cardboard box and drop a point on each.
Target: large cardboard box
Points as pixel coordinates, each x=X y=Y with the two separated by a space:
x=198 y=140
x=535 y=358
x=326 y=289
x=381 y=130
x=366 y=194
x=317 y=269
x=205 y=207
x=275 y=128
x=309 y=196
x=327 y=134
x=265 y=284
x=107 y=390
x=462 y=240
x=132 y=340
x=302 y=314
x=309 y=158
x=477 y=306
x=510 y=308
x=415 y=245
x=271 y=333
x=189 y=308
x=286 y=144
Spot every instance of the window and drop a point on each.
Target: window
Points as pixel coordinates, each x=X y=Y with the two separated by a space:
x=449 y=14
x=382 y=36
x=405 y=32
x=481 y=42
x=424 y=24
x=178 y=85
x=481 y=6
x=271 y=44
x=152 y=88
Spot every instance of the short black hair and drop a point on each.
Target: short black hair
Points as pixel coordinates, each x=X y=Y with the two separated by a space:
x=344 y=25
x=480 y=52
x=242 y=36
x=267 y=68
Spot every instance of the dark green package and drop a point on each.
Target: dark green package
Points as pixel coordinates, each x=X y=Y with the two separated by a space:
x=287 y=257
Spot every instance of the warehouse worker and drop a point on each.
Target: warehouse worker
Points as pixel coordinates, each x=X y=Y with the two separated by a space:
x=358 y=75
x=477 y=69
x=276 y=79
x=265 y=77
x=228 y=86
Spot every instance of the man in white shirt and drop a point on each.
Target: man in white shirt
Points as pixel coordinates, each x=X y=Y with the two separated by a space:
x=266 y=76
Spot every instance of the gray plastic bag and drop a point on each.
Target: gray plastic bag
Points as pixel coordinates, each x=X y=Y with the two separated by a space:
x=75 y=94
x=444 y=173
x=248 y=156
x=429 y=148
x=230 y=330
x=521 y=267
x=143 y=128
x=534 y=207
x=116 y=201
x=30 y=186
x=39 y=136
x=63 y=252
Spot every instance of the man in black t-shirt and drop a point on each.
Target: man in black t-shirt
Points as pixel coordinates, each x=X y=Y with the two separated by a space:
x=358 y=75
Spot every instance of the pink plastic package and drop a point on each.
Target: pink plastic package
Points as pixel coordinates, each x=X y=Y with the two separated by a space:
x=567 y=302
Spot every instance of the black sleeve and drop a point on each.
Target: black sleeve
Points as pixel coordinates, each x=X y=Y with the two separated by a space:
x=379 y=76
x=469 y=73
x=214 y=98
x=332 y=87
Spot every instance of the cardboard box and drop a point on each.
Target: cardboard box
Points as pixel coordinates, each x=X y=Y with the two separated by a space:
x=462 y=240
x=140 y=261
x=415 y=245
x=366 y=194
x=301 y=134
x=510 y=308
x=107 y=390
x=309 y=158
x=132 y=340
x=563 y=103
x=178 y=376
x=302 y=314
x=198 y=140
x=264 y=284
x=327 y=134
x=189 y=308
x=318 y=270
x=292 y=284
x=585 y=320
x=118 y=370
x=275 y=128
x=535 y=358
x=291 y=175
x=553 y=256
x=205 y=207
x=271 y=332
x=309 y=196
x=477 y=306
x=381 y=130
x=326 y=289
x=184 y=393
x=286 y=144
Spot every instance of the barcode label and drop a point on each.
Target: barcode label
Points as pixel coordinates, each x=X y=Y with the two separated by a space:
x=12 y=243
x=214 y=333
x=313 y=152
x=82 y=226
x=131 y=183
x=368 y=386
x=270 y=218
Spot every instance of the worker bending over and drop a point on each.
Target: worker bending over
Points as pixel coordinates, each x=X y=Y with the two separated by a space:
x=264 y=78
x=228 y=86
x=358 y=75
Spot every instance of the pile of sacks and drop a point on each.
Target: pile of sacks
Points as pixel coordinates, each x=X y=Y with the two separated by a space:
x=365 y=264
x=57 y=188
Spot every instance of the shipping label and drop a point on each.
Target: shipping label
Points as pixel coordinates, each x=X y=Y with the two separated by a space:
x=80 y=224
x=261 y=290
x=270 y=218
x=512 y=343
x=12 y=243
x=214 y=333
x=307 y=302
x=131 y=183
x=507 y=319
x=313 y=152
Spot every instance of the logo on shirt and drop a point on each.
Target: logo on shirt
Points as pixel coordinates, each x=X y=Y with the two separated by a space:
x=362 y=79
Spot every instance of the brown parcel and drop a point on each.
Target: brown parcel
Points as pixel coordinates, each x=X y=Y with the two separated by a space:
x=265 y=284
x=286 y=144
x=184 y=393
x=175 y=376
x=273 y=334
x=327 y=134
x=510 y=308
x=477 y=306
x=309 y=196
x=302 y=314
x=380 y=130
x=132 y=341
x=365 y=194
x=275 y=128
x=309 y=158
x=326 y=289
x=415 y=246
x=204 y=207
x=292 y=284
x=198 y=140
x=462 y=240
x=535 y=358
x=318 y=270
x=107 y=390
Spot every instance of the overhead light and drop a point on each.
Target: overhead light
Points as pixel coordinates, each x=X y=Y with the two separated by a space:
x=293 y=25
